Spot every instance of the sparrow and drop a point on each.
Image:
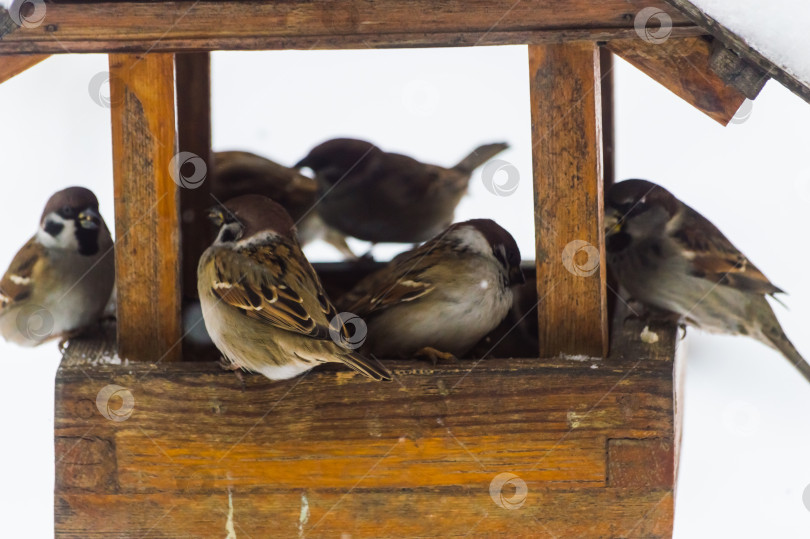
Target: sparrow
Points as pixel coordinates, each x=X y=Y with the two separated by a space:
x=439 y=299
x=60 y=281
x=263 y=305
x=387 y=197
x=669 y=257
x=237 y=173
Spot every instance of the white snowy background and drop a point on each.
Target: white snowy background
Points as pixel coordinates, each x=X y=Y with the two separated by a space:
x=747 y=436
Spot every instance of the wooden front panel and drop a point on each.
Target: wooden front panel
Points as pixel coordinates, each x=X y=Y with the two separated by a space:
x=590 y=444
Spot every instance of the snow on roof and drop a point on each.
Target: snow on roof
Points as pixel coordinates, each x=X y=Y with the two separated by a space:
x=777 y=29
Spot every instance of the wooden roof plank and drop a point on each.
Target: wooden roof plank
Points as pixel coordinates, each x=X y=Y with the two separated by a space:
x=11 y=66
x=740 y=47
x=682 y=66
x=172 y=26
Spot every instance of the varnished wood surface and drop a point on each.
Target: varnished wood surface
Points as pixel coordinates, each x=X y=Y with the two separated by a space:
x=743 y=49
x=13 y=65
x=593 y=441
x=147 y=228
x=174 y=26
x=566 y=108
x=194 y=135
x=682 y=66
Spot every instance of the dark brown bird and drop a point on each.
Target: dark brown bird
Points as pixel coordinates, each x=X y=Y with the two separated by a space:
x=237 y=173
x=669 y=257
x=387 y=197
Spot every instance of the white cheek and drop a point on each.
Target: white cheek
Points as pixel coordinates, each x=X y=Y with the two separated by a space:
x=66 y=239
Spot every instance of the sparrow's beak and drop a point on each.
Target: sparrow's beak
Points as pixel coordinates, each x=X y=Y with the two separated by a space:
x=516 y=276
x=302 y=163
x=90 y=219
x=216 y=216
x=613 y=222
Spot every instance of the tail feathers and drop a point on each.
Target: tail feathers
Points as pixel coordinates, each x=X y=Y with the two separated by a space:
x=480 y=155
x=368 y=367
x=783 y=344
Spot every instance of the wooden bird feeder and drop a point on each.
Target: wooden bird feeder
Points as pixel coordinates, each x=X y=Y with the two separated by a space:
x=185 y=451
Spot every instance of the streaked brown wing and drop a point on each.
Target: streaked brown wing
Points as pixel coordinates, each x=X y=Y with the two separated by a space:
x=257 y=281
x=18 y=280
x=715 y=258
x=400 y=281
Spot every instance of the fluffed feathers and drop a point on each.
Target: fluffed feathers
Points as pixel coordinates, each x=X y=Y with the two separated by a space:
x=60 y=281
x=263 y=305
x=446 y=294
x=668 y=256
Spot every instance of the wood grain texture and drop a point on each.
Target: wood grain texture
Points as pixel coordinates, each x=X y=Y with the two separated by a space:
x=414 y=457
x=736 y=71
x=682 y=66
x=147 y=257
x=194 y=135
x=743 y=49
x=568 y=188
x=174 y=26
x=11 y=66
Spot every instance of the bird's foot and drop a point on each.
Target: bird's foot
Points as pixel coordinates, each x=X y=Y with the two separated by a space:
x=436 y=356
x=227 y=365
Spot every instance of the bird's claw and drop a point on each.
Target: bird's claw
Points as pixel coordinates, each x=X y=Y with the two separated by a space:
x=435 y=356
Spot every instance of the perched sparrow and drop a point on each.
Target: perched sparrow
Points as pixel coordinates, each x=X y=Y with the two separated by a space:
x=669 y=257
x=441 y=298
x=387 y=197
x=236 y=173
x=60 y=281
x=262 y=303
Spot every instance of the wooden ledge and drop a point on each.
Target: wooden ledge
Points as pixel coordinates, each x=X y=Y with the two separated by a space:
x=173 y=447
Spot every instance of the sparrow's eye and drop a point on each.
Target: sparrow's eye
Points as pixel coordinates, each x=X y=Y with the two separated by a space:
x=67 y=211
x=500 y=255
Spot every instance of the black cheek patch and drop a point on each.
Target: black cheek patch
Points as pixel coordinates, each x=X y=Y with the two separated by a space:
x=88 y=240
x=228 y=235
x=53 y=228
x=618 y=242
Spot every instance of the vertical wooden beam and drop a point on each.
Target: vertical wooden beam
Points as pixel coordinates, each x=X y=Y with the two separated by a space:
x=566 y=106
x=606 y=65
x=194 y=136
x=147 y=253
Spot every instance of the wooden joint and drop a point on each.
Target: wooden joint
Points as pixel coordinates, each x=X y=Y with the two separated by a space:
x=736 y=71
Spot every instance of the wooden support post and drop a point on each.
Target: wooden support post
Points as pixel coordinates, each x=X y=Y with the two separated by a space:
x=566 y=106
x=606 y=65
x=194 y=136
x=146 y=207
